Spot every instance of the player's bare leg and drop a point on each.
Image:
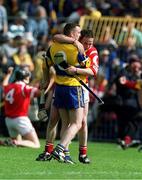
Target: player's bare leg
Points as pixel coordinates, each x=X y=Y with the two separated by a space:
x=83 y=136
x=29 y=140
x=50 y=134
x=65 y=124
x=75 y=118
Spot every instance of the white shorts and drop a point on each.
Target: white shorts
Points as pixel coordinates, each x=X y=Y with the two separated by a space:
x=86 y=95
x=20 y=125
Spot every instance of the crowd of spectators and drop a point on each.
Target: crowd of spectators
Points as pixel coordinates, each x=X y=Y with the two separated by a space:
x=27 y=27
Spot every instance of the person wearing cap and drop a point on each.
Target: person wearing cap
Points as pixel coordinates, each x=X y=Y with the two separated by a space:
x=127 y=88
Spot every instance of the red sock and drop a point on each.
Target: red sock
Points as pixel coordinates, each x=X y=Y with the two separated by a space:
x=127 y=139
x=49 y=147
x=83 y=150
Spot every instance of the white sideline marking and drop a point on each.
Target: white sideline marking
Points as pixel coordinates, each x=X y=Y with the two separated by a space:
x=80 y=172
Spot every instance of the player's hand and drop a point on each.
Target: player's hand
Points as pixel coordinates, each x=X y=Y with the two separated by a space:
x=10 y=70
x=71 y=70
x=83 y=60
x=122 y=80
x=79 y=46
x=41 y=54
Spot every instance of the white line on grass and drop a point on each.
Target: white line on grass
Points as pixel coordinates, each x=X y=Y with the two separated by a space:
x=80 y=173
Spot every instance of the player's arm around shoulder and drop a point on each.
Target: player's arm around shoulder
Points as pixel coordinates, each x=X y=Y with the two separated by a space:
x=61 y=38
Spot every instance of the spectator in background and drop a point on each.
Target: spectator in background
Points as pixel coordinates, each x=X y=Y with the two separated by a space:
x=17 y=97
x=4 y=63
x=22 y=57
x=3 y=18
x=53 y=22
x=128 y=103
x=84 y=9
x=92 y=109
x=130 y=30
x=38 y=25
x=116 y=8
x=133 y=7
x=92 y=11
x=107 y=39
x=18 y=26
x=13 y=7
x=30 y=7
x=104 y=69
x=21 y=26
x=5 y=58
x=130 y=47
x=104 y=7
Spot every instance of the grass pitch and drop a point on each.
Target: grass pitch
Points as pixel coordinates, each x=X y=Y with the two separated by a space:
x=107 y=162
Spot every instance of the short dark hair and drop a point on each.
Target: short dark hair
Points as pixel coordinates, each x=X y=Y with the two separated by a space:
x=69 y=27
x=86 y=33
x=21 y=74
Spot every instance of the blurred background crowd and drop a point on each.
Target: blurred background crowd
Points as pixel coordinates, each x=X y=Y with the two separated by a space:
x=27 y=28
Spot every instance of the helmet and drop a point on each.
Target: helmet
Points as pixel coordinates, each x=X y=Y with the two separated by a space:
x=21 y=74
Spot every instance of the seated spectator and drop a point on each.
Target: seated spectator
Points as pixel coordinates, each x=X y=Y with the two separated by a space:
x=107 y=39
x=128 y=49
x=85 y=9
x=4 y=63
x=130 y=30
x=19 y=26
x=13 y=7
x=30 y=7
x=22 y=57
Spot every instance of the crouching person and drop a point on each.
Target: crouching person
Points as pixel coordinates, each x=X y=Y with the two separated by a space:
x=17 y=97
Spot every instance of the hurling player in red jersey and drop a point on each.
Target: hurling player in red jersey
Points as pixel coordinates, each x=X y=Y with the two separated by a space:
x=87 y=41
x=17 y=96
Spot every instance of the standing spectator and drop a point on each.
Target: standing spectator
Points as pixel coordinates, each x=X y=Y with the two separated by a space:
x=128 y=104
x=17 y=97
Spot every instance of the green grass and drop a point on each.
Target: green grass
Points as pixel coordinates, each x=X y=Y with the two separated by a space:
x=108 y=162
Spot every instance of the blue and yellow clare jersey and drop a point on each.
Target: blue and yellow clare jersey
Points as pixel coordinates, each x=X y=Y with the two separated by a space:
x=64 y=53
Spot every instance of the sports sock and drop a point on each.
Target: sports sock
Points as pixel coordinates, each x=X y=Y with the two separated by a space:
x=49 y=147
x=83 y=150
x=60 y=148
x=127 y=140
x=67 y=153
